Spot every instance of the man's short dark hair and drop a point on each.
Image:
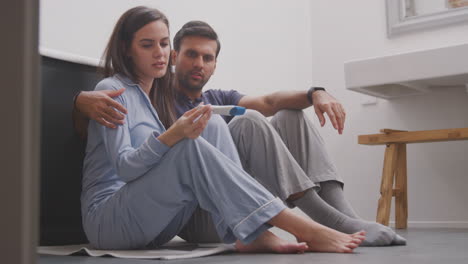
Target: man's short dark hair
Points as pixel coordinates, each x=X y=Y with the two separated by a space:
x=196 y=28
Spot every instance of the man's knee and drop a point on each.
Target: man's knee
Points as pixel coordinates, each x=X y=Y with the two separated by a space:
x=288 y=115
x=250 y=126
x=250 y=116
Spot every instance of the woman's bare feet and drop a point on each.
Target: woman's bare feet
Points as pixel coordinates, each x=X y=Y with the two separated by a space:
x=268 y=242
x=323 y=239
x=318 y=237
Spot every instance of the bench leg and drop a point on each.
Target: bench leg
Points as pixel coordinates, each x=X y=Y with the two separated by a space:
x=401 y=194
x=386 y=187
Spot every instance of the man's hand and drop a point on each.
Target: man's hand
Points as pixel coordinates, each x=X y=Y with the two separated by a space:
x=325 y=103
x=99 y=106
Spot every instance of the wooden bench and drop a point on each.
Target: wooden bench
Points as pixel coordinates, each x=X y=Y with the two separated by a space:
x=394 y=175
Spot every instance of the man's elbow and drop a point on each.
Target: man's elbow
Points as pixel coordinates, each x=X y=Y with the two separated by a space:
x=268 y=112
x=269 y=107
x=264 y=110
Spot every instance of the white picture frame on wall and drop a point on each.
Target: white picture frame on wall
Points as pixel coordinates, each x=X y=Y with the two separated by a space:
x=398 y=23
x=456 y=3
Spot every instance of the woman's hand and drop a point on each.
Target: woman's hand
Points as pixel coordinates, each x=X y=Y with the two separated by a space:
x=99 y=106
x=190 y=125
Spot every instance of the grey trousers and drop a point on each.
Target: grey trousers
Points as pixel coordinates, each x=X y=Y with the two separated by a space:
x=286 y=155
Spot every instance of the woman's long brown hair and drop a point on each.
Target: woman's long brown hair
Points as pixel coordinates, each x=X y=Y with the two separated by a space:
x=116 y=61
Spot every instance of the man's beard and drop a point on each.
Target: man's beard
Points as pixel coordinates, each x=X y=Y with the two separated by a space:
x=184 y=83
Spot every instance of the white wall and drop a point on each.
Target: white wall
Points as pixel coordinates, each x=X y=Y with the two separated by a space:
x=438 y=172
x=423 y=7
x=265 y=43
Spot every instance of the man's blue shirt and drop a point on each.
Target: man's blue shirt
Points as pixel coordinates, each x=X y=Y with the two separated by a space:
x=213 y=97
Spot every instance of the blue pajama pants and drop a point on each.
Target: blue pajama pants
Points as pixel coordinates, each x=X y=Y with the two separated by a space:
x=154 y=208
x=286 y=155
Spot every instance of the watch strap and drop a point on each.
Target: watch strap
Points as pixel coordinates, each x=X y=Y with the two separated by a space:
x=311 y=91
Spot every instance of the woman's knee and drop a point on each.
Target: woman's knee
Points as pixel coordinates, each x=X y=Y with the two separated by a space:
x=187 y=148
x=216 y=125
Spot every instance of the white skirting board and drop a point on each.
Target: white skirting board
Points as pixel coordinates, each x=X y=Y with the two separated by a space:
x=435 y=224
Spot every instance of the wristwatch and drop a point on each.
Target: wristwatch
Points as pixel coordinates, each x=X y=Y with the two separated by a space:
x=311 y=91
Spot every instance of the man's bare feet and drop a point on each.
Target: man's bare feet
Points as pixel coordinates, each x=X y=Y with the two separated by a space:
x=323 y=239
x=268 y=242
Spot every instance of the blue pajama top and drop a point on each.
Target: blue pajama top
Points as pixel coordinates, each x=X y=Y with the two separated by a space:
x=116 y=156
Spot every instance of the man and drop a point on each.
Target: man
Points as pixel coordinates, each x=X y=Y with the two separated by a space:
x=286 y=155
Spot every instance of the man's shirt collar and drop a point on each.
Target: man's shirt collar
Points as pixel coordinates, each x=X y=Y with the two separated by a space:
x=182 y=98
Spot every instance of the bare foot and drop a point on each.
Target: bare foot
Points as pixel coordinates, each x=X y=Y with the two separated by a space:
x=268 y=242
x=323 y=239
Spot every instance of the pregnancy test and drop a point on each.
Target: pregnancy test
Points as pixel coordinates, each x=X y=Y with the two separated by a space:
x=228 y=110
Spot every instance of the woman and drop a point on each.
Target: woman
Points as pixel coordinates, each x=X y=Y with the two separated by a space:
x=142 y=182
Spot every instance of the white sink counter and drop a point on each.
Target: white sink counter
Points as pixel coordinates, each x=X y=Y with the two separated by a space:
x=408 y=73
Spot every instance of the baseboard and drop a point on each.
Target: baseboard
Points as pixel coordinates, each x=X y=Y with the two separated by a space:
x=435 y=224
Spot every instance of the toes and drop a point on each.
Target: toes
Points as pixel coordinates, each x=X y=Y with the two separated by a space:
x=352 y=245
x=302 y=247
x=359 y=235
x=362 y=233
x=293 y=248
x=347 y=250
x=361 y=238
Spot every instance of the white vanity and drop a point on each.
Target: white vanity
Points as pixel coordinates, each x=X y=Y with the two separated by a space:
x=409 y=73
x=414 y=72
